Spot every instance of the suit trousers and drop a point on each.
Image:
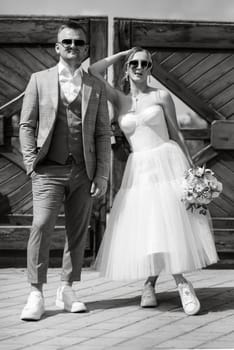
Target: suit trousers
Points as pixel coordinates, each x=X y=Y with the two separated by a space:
x=51 y=186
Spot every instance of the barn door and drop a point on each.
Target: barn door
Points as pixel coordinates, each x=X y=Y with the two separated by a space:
x=26 y=46
x=195 y=61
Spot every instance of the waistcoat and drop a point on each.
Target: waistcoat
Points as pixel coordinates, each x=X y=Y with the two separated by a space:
x=67 y=134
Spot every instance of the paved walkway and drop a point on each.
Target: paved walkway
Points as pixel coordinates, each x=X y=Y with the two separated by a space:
x=115 y=320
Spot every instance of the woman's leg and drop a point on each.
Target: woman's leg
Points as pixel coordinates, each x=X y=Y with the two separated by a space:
x=189 y=300
x=152 y=280
x=148 y=297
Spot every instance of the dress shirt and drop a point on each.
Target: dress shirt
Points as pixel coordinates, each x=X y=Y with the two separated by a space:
x=70 y=84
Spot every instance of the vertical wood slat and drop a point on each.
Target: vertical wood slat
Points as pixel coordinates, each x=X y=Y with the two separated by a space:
x=122 y=41
x=1 y=130
x=98 y=34
x=98 y=43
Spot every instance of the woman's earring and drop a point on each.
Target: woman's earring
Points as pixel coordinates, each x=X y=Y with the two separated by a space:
x=149 y=79
x=126 y=77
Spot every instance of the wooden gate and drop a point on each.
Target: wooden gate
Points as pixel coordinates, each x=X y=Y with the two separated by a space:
x=195 y=61
x=27 y=46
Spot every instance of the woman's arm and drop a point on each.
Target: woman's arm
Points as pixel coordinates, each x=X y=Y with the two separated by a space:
x=98 y=70
x=173 y=128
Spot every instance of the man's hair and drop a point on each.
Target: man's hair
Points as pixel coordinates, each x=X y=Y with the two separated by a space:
x=72 y=25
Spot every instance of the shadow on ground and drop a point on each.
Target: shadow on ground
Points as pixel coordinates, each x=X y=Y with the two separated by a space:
x=212 y=300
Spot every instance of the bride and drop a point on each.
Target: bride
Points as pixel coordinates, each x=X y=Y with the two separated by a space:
x=149 y=231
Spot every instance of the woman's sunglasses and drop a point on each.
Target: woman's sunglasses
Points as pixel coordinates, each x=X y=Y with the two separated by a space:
x=68 y=42
x=144 y=64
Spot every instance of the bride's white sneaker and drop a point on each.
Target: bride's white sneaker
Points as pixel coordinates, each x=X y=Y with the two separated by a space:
x=67 y=300
x=34 y=308
x=189 y=300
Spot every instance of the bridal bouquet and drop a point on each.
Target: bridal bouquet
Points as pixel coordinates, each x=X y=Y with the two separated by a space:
x=200 y=187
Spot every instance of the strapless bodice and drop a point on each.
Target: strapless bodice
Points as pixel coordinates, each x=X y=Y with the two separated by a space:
x=145 y=130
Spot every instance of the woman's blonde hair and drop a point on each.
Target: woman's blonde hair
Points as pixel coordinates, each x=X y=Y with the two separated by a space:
x=138 y=49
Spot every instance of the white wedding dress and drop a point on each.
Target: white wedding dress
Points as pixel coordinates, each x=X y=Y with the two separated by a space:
x=149 y=230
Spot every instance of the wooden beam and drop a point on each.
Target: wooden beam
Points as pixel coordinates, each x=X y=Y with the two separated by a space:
x=37 y=29
x=204 y=155
x=122 y=41
x=185 y=94
x=196 y=134
x=1 y=130
x=14 y=158
x=182 y=34
x=98 y=34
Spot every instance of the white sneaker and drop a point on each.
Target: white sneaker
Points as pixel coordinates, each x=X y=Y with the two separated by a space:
x=67 y=300
x=190 y=302
x=148 y=297
x=34 y=308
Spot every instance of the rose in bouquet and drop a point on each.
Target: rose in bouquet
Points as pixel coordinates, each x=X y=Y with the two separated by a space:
x=200 y=187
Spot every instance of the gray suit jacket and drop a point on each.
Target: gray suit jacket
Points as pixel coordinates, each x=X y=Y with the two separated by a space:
x=38 y=116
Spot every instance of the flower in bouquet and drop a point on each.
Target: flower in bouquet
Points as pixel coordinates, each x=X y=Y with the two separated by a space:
x=200 y=187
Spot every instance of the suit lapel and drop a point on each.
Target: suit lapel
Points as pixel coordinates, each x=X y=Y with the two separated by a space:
x=86 y=93
x=53 y=87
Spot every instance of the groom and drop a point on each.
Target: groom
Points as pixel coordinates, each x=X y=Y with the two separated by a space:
x=65 y=142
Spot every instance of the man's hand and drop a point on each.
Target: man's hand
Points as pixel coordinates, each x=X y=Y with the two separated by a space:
x=98 y=187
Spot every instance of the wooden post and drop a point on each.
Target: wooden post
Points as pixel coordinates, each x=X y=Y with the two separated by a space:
x=98 y=35
x=1 y=130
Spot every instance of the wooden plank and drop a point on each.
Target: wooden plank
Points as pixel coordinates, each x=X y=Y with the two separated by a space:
x=41 y=57
x=7 y=172
x=210 y=77
x=225 y=175
x=227 y=109
x=20 y=196
x=122 y=41
x=196 y=134
x=7 y=88
x=224 y=241
x=14 y=82
x=223 y=223
x=1 y=130
x=186 y=95
x=14 y=158
x=185 y=68
x=169 y=58
x=12 y=63
x=98 y=33
x=26 y=219
x=13 y=182
x=216 y=209
x=204 y=155
x=224 y=202
x=182 y=34
x=35 y=29
x=202 y=63
x=218 y=85
x=3 y=162
x=16 y=238
x=222 y=134
x=222 y=98
x=227 y=159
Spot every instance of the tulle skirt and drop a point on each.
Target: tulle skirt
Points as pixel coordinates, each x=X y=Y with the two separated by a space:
x=149 y=231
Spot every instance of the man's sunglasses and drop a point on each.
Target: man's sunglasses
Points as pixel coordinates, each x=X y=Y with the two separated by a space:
x=144 y=64
x=68 y=42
